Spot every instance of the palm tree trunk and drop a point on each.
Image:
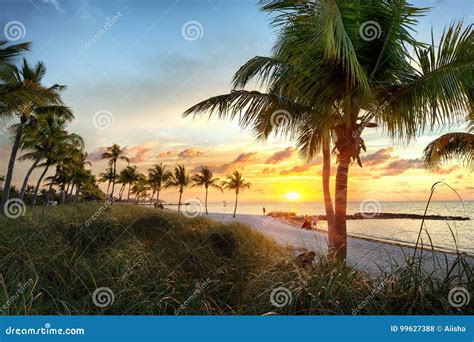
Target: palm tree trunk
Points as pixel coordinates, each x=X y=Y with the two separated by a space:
x=70 y=197
x=179 y=202
x=151 y=198
x=128 y=195
x=78 y=191
x=63 y=193
x=236 y=200
x=327 y=193
x=11 y=162
x=158 y=196
x=113 y=182
x=205 y=200
x=108 y=188
x=122 y=188
x=38 y=184
x=27 y=177
x=340 y=229
x=48 y=194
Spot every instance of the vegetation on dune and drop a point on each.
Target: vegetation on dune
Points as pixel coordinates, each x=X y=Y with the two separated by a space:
x=160 y=262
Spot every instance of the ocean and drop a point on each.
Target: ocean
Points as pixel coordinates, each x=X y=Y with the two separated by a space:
x=404 y=231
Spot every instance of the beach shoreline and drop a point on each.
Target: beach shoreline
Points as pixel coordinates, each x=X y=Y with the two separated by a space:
x=367 y=254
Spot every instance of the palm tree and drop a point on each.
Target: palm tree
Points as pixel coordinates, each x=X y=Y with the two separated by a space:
x=456 y=145
x=348 y=81
x=236 y=182
x=108 y=177
x=128 y=176
x=206 y=179
x=140 y=187
x=114 y=153
x=179 y=179
x=41 y=139
x=158 y=177
x=28 y=111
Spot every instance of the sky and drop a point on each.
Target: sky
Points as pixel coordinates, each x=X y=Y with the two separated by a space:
x=132 y=67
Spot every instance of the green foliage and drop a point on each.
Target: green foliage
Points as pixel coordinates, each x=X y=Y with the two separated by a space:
x=154 y=260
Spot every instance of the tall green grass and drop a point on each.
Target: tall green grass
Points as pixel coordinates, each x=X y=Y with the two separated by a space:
x=159 y=262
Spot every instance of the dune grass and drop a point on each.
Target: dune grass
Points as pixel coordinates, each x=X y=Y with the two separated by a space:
x=159 y=262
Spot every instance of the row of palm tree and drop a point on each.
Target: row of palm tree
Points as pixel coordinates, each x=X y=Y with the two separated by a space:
x=160 y=178
x=333 y=82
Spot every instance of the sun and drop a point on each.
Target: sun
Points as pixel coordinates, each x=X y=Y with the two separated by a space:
x=292 y=196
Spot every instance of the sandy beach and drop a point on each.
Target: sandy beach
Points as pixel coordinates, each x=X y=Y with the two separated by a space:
x=370 y=256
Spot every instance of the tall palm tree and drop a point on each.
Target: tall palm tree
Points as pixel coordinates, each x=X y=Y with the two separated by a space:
x=179 y=179
x=140 y=187
x=456 y=145
x=108 y=177
x=113 y=154
x=158 y=177
x=206 y=179
x=41 y=139
x=236 y=182
x=128 y=176
x=28 y=111
x=349 y=81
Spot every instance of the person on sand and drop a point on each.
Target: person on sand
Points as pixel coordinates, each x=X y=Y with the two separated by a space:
x=306 y=223
x=264 y=211
x=315 y=222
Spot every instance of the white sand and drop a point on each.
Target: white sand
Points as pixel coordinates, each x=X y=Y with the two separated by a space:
x=367 y=255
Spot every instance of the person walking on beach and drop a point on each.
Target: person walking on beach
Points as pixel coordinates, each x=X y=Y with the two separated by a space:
x=264 y=211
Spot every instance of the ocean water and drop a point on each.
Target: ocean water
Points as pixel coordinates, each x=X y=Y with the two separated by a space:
x=403 y=231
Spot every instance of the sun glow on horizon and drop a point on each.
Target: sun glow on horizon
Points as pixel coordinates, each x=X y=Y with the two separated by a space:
x=293 y=196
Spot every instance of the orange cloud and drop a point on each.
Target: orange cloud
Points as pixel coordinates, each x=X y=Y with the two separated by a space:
x=280 y=155
x=137 y=154
x=190 y=153
x=400 y=166
x=378 y=157
x=241 y=160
